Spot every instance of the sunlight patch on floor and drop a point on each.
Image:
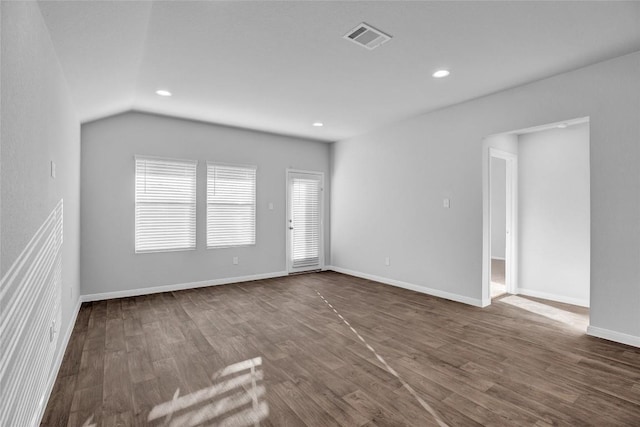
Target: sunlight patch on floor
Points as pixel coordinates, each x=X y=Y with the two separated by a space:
x=574 y=320
x=89 y=422
x=497 y=289
x=235 y=399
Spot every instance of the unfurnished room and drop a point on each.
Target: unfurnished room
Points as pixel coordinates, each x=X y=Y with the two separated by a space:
x=319 y=213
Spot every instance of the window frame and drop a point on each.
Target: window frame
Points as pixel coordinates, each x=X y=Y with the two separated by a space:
x=254 y=204
x=194 y=205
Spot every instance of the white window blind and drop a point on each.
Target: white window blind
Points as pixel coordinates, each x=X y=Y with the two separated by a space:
x=306 y=222
x=165 y=204
x=231 y=205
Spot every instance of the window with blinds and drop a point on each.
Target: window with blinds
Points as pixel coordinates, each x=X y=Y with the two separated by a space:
x=165 y=204
x=231 y=205
x=305 y=199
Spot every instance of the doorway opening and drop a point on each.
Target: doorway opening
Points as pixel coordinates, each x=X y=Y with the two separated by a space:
x=498 y=196
x=536 y=214
x=503 y=174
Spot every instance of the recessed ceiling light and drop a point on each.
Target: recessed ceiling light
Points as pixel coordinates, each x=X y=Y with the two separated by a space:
x=562 y=125
x=441 y=73
x=318 y=124
x=163 y=92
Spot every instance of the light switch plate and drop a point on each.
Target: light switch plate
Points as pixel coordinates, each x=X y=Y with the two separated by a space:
x=446 y=203
x=53 y=169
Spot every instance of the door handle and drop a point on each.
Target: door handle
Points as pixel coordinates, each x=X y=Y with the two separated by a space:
x=290 y=228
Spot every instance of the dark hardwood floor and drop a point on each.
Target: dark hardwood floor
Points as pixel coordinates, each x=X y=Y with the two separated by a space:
x=274 y=353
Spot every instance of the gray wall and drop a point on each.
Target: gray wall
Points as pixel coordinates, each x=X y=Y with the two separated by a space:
x=38 y=125
x=388 y=187
x=554 y=223
x=498 y=207
x=109 y=263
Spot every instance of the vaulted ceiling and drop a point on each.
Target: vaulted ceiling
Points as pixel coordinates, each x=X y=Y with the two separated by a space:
x=280 y=66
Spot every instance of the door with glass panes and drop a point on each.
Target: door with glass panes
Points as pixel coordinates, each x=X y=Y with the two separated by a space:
x=304 y=221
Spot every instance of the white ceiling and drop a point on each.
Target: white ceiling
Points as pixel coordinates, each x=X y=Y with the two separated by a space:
x=279 y=66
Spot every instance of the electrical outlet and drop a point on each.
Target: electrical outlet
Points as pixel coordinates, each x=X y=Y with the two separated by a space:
x=235 y=260
x=387 y=261
x=52 y=331
x=446 y=203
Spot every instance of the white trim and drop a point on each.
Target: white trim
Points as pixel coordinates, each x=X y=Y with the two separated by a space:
x=57 y=363
x=232 y=165
x=550 y=126
x=499 y=258
x=610 y=335
x=173 y=159
x=553 y=297
x=180 y=286
x=511 y=249
x=417 y=288
x=293 y=170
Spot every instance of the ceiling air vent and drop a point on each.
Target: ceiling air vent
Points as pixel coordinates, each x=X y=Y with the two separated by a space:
x=367 y=36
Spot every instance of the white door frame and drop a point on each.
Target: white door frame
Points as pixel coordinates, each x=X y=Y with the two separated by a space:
x=511 y=246
x=290 y=171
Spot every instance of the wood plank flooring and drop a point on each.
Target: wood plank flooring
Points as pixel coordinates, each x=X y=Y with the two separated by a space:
x=222 y=355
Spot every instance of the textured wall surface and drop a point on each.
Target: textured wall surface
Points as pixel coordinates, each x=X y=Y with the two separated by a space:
x=109 y=263
x=39 y=125
x=554 y=222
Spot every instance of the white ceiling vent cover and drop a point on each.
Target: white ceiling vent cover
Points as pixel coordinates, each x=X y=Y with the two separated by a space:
x=367 y=36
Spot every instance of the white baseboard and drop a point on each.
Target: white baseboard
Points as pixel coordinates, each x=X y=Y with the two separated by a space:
x=179 y=286
x=57 y=362
x=422 y=289
x=553 y=297
x=610 y=335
